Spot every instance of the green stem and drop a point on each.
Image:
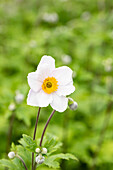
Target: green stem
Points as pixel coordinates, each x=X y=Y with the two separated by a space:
x=46 y=126
x=35 y=135
x=22 y=161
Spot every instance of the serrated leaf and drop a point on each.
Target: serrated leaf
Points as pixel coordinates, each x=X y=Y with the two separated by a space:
x=51 y=160
x=66 y=156
x=13 y=147
x=25 y=154
x=28 y=143
x=51 y=143
x=8 y=163
x=18 y=164
x=52 y=164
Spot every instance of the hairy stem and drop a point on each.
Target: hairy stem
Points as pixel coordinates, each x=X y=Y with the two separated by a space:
x=46 y=126
x=22 y=161
x=35 y=134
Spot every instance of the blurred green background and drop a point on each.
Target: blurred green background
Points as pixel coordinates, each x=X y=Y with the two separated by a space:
x=79 y=34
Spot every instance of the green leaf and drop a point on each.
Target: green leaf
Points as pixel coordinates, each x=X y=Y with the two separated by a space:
x=51 y=160
x=8 y=163
x=13 y=147
x=28 y=143
x=51 y=143
x=66 y=156
x=25 y=154
x=18 y=164
x=51 y=164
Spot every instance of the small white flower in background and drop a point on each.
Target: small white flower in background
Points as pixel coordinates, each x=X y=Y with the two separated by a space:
x=50 y=85
x=72 y=104
x=11 y=155
x=12 y=107
x=86 y=16
x=66 y=59
x=50 y=17
x=44 y=151
x=33 y=44
x=40 y=159
x=108 y=64
x=37 y=150
x=19 y=97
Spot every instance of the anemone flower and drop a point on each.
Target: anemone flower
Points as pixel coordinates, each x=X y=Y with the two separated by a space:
x=50 y=85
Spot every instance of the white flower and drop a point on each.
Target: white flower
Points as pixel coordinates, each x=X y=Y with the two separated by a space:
x=12 y=107
x=11 y=155
x=40 y=159
x=108 y=64
x=19 y=97
x=50 y=85
x=44 y=150
x=37 y=150
x=50 y=17
x=66 y=59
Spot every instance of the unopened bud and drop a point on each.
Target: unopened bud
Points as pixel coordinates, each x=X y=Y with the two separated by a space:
x=12 y=107
x=72 y=104
x=39 y=159
x=44 y=150
x=37 y=150
x=11 y=155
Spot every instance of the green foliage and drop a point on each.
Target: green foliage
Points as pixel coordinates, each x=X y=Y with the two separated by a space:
x=51 y=160
x=9 y=164
x=28 y=146
x=28 y=143
x=52 y=143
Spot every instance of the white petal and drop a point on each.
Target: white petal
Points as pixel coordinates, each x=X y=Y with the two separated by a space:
x=66 y=89
x=44 y=71
x=59 y=103
x=63 y=75
x=47 y=60
x=34 y=81
x=40 y=98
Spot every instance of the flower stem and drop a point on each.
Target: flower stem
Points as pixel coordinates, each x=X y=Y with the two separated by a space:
x=10 y=131
x=35 y=134
x=22 y=161
x=46 y=126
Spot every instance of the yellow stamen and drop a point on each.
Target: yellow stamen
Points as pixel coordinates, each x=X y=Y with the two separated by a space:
x=50 y=85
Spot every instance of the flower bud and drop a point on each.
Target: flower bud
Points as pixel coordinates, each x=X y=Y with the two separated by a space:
x=11 y=155
x=44 y=150
x=72 y=104
x=39 y=159
x=12 y=107
x=37 y=150
x=19 y=97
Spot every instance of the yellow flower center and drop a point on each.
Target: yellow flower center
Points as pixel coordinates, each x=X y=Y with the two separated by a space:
x=50 y=85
